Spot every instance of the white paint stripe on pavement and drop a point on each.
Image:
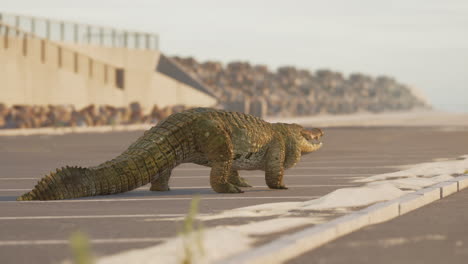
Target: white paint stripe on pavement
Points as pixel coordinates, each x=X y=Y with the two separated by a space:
x=66 y=242
x=171 y=199
x=208 y=187
x=299 y=167
x=45 y=217
x=342 y=168
x=13 y=179
x=246 y=175
x=350 y=156
x=263 y=186
x=352 y=161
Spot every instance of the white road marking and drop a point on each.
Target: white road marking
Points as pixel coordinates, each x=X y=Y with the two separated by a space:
x=298 y=167
x=46 y=217
x=13 y=179
x=350 y=156
x=264 y=186
x=170 y=199
x=244 y=175
x=208 y=187
x=339 y=161
x=343 y=168
x=66 y=242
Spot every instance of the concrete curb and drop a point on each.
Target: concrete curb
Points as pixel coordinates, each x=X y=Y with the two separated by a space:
x=290 y=246
x=68 y=130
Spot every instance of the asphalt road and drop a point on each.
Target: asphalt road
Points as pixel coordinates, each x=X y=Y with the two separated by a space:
x=37 y=232
x=434 y=234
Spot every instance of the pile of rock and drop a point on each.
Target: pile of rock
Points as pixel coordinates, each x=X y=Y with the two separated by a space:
x=290 y=91
x=22 y=116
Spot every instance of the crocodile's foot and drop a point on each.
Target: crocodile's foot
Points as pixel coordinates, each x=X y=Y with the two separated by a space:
x=243 y=183
x=227 y=188
x=159 y=188
x=240 y=182
x=281 y=187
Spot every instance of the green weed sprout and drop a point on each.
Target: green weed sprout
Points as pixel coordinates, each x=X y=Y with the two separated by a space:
x=192 y=236
x=81 y=249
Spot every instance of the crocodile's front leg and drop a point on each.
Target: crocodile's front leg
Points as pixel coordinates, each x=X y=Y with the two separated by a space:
x=274 y=164
x=237 y=180
x=161 y=183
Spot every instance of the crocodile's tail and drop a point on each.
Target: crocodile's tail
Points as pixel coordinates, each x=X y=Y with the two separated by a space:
x=158 y=151
x=65 y=183
x=115 y=176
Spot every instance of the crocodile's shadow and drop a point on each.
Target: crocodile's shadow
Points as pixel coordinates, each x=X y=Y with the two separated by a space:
x=182 y=193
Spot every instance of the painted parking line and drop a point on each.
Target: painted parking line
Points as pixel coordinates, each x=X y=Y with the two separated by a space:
x=304 y=168
x=264 y=186
x=337 y=176
x=351 y=156
x=246 y=175
x=208 y=187
x=21 y=179
x=93 y=199
x=45 y=217
x=405 y=161
x=66 y=242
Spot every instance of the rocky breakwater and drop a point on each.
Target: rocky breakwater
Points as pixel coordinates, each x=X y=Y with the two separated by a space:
x=290 y=91
x=24 y=116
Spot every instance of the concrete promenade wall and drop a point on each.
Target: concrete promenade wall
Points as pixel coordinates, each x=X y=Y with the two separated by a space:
x=42 y=72
x=29 y=76
x=141 y=78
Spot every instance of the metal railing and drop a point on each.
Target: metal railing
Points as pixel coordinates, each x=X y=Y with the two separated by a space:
x=48 y=51
x=81 y=33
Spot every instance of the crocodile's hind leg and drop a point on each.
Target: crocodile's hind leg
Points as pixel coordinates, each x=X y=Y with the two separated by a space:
x=161 y=183
x=214 y=142
x=237 y=180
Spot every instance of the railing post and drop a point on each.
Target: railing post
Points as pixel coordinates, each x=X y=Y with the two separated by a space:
x=62 y=31
x=101 y=36
x=88 y=33
x=33 y=25
x=147 y=40
x=125 y=40
x=75 y=32
x=17 y=24
x=47 y=29
x=113 y=38
x=137 y=40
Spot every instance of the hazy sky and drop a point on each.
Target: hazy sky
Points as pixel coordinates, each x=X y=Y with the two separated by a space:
x=422 y=43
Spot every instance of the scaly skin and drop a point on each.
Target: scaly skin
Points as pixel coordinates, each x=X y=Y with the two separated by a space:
x=225 y=141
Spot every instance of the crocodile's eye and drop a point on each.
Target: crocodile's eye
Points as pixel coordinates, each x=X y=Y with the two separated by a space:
x=314 y=133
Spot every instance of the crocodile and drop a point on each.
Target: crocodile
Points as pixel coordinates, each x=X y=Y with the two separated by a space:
x=225 y=141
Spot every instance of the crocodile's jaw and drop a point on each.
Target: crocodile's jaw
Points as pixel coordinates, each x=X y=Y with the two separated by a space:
x=310 y=140
x=308 y=146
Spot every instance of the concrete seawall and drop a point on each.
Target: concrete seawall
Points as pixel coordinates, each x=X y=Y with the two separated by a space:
x=37 y=71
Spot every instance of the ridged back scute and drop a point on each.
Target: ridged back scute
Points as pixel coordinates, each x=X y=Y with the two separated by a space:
x=64 y=183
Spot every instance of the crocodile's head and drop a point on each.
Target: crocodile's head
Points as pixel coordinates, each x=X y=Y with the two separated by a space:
x=308 y=140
